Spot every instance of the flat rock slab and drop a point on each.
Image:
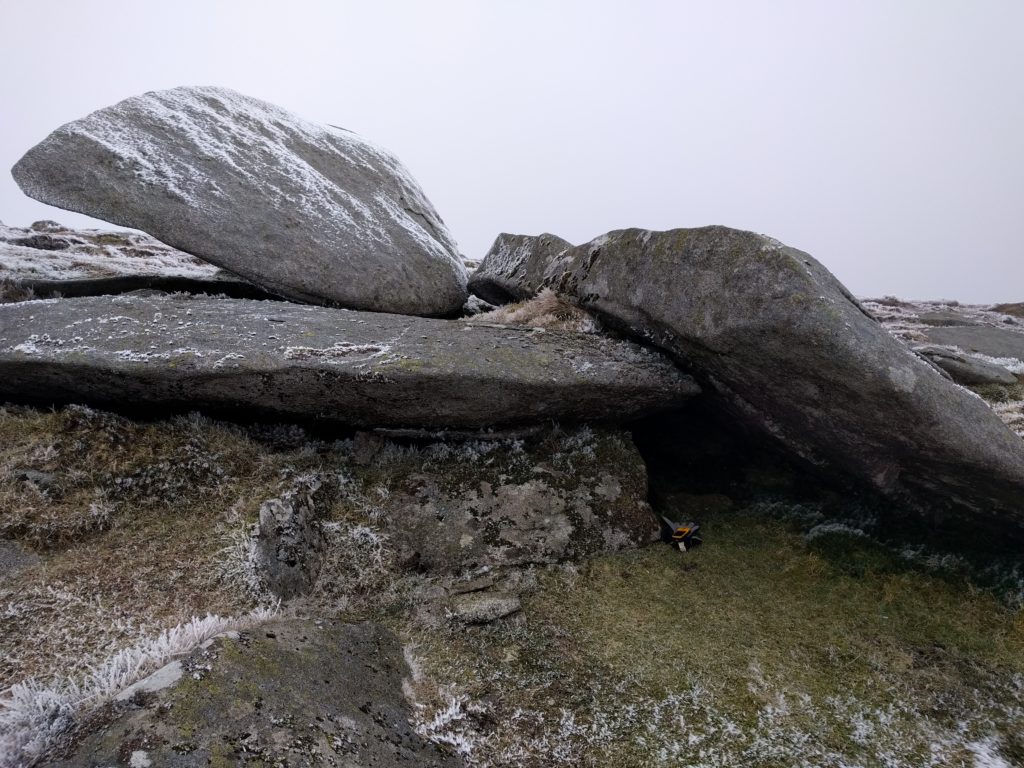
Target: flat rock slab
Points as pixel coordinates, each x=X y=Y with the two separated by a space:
x=788 y=349
x=287 y=693
x=47 y=259
x=357 y=368
x=984 y=340
x=310 y=212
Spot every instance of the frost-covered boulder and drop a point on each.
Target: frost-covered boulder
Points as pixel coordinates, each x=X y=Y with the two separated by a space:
x=49 y=259
x=358 y=368
x=310 y=212
x=788 y=349
x=513 y=269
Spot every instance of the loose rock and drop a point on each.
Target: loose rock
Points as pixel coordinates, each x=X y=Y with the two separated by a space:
x=310 y=212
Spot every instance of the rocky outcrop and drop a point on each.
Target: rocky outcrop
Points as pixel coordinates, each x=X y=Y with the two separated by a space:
x=287 y=693
x=556 y=497
x=313 y=213
x=48 y=259
x=788 y=349
x=513 y=269
x=966 y=369
x=363 y=369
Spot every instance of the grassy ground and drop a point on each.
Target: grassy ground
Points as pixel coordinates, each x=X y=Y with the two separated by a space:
x=760 y=649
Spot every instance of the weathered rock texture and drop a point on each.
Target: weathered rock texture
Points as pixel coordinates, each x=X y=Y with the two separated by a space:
x=561 y=496
x=310 y=212
x=289 y=536
x=286 y=693
x=966 y=369
x=364 y=369
x=788 y=349
x=49 y=259
x=514 y=267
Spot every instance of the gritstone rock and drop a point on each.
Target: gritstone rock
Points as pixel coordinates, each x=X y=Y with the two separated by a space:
x=965 y=369
x=356 y=368
x=788 y=349
x=514 y=267
x=286 y=693
x=48 y=259
x=311 y=212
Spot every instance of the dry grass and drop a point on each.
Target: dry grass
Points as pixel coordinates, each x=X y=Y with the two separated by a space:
x=545 y=310
x=759 y=649
x=131 y=518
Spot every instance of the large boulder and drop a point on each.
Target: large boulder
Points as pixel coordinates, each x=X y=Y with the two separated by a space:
x=356 y=368
x=48 y=259
x=287 y=693
x=311 y=212
x=514 y=267
x=789 y=350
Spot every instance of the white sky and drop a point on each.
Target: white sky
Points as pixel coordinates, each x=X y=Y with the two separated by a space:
x=884 y=137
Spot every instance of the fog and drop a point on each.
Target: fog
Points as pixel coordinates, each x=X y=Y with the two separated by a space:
x=885 y=138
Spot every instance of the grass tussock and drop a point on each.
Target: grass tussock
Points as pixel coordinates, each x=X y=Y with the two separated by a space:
x=545 y=310
x=131 y=518
x=763 y=648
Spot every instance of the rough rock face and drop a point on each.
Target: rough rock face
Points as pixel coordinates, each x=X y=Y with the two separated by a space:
x=789 y=350
x=289 y=537
x=965 y=369
x=286 y=693
x=513 y=269
x=562 y=496
x=313 y=213
x=48 y=259
x=363 y=369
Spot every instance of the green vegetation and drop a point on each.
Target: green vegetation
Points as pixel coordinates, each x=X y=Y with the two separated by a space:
x=762 y=648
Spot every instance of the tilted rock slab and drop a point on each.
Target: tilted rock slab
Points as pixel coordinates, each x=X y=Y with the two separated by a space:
x=47 y=259
x=789 y=349
x=358 y=368
x=964 y=368
x=311 y=212
x=296 y=692
x=514 y=267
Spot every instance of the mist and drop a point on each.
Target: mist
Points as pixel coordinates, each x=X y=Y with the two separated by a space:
x=883 y=138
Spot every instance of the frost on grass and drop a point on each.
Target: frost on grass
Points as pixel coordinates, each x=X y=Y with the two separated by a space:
x=33 y=715
x=546 y=310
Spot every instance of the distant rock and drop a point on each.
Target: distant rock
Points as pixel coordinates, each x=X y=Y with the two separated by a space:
x=946 y=318
x=984 y=340
x=299 y=692
x=966 y=369
x=788 y=349
x=362 y=369
x=48 y=259
x=513 y=269
x=313 y=213
x=1017 y=310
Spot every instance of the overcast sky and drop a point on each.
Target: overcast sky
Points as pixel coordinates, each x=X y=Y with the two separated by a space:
x=885 y=138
